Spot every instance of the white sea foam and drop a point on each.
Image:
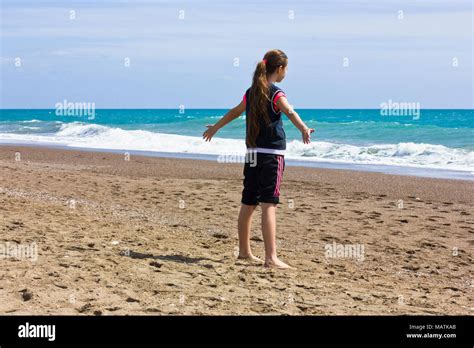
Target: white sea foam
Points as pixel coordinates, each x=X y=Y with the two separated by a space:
x=31 y=121
x=402 y=154
x=101 y=137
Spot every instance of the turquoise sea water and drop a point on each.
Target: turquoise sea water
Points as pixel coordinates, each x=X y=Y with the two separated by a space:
x=442 y=139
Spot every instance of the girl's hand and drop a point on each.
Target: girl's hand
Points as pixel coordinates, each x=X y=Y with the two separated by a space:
x=306 y=134
x=209 y=133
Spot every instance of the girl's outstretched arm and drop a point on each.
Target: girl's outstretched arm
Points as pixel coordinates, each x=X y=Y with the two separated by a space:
x=231 y=115
x=284 y=106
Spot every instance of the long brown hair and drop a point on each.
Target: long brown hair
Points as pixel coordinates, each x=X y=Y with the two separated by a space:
x=259 y=92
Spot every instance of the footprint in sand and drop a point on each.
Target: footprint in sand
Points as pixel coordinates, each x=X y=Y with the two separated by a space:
x=432 y=245
x=155 y=264
x=357 y=212
x=220 y=235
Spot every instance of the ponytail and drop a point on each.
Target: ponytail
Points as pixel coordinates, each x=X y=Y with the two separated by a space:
x=258 y=96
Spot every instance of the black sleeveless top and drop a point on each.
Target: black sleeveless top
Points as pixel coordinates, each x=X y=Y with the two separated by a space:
x=271 y=136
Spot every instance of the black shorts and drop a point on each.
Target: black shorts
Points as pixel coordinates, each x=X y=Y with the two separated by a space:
x=262 y=179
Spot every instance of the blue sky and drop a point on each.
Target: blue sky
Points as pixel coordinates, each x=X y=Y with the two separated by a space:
x=190 y=61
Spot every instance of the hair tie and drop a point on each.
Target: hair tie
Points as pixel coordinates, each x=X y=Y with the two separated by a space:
x=264 y=61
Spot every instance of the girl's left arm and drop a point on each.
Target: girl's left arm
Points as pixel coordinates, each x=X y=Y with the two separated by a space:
x=284 y=106
x=231 y=115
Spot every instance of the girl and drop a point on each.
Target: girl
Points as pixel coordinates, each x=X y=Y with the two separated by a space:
x=263 y=103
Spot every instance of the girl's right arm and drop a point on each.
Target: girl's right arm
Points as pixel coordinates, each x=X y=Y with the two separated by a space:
x=231 y=115
x=284 y=106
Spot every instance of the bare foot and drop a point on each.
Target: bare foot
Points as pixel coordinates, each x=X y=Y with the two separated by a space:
x=250 y=257
x=277 y=264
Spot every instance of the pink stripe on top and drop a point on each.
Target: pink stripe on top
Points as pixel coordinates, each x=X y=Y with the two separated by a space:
x=278 y=96
x=245 y=98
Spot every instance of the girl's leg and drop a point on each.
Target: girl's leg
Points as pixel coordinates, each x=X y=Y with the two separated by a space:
x=269 y=236
x=244 y=225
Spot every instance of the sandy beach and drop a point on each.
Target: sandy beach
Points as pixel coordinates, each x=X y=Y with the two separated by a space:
x=154 y=236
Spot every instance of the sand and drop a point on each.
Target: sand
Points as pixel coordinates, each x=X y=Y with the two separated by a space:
x=155 y=236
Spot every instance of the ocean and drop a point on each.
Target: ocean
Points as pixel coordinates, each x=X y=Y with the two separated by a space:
x=436 y=143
